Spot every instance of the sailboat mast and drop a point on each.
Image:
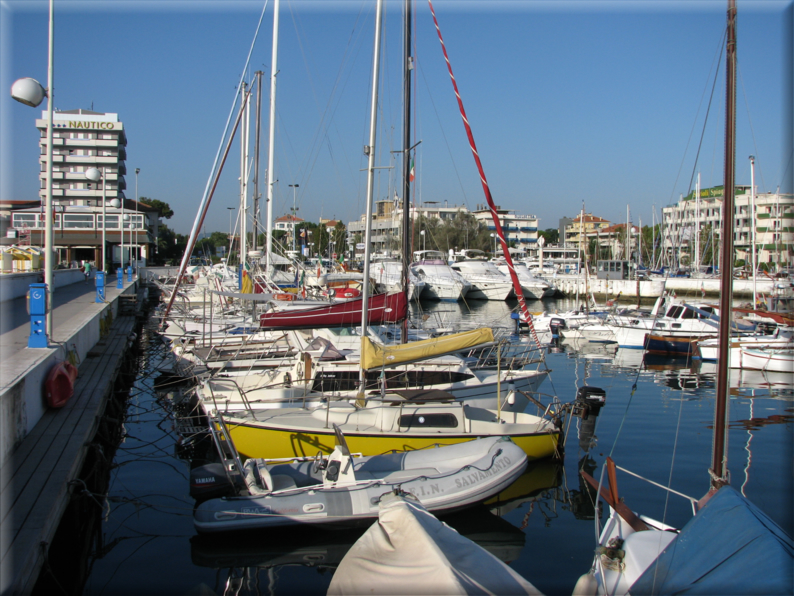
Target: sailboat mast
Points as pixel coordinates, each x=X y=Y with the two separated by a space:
x=408 y=66
x=257 y=132
x=718 y=463
x=369 y=150
x=753 y=262
x=697 y=224
x=244 y=183
x=272 y=137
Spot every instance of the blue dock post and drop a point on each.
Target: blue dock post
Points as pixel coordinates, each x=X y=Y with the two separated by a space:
x=37 y=306
x=129 y=273
x=120 y=274
x=100 y=286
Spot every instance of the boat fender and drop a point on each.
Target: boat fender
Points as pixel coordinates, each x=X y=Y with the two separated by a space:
x=59 y=384
x=586 y=585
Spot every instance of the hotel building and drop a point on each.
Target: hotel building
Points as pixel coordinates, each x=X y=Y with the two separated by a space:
x=84 y=139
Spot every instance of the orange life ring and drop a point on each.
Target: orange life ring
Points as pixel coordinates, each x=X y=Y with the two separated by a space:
x=59 y=385
x=287 y=297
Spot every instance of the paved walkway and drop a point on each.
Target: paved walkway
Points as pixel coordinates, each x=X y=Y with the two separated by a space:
x=74 y=305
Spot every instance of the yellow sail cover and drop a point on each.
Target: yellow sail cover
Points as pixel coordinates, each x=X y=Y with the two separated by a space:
x=374 y=356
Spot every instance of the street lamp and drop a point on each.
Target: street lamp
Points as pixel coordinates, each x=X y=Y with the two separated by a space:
x=294 y=210
x=137 y=256
x=422 y=234
x=30 y=92
x=124 y=219
x=94 y=175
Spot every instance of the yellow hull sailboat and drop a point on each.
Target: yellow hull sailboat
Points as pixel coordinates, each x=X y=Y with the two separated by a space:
x=402 y=421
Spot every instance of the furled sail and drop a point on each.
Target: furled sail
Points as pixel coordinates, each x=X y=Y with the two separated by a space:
x=374 y=356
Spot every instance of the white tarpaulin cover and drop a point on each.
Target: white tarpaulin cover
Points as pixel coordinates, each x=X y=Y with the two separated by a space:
x=409 y=551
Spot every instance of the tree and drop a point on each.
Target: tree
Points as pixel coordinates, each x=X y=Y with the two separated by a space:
x=550 y=235
x=163 y=209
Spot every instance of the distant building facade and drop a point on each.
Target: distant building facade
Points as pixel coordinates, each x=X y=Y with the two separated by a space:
x=773 y=220
x=84 y=139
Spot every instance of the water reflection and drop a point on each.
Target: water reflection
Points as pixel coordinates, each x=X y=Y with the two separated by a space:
x=254 y=563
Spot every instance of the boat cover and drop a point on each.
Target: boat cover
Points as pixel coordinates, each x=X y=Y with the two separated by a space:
x=729 y=547
x=374 y=356
x=409 y=551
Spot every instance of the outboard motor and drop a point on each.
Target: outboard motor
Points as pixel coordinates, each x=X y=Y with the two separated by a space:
x=587 y=406
x=555 y=325
x=210 y=481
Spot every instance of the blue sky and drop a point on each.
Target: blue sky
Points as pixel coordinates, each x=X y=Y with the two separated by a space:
x=569 y=101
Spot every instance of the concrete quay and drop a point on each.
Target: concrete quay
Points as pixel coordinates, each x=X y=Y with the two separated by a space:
x=570 y=285
x=42 y=449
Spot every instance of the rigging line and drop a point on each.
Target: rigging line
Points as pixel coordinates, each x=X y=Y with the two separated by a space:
x=705 y=121
x=326 y=115
x=750 y=121
x=719 y=56
x=486 y=189
x=444 y=135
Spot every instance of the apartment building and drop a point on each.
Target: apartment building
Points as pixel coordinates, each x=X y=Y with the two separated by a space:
x=694 y=223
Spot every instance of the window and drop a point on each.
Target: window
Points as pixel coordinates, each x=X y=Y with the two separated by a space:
x=78 y=220
x=113 y=222
x=429 y=420
x=675 y=311
x=25 y=220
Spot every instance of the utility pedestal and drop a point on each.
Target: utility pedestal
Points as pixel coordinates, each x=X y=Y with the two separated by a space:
x=37 y=306
x=100 y=287
x=120 y=274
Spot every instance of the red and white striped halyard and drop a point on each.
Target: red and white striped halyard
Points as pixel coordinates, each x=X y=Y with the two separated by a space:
x=524 y=312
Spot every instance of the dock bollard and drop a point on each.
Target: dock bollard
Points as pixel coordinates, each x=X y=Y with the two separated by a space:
x=37 y=307
x=120 y=274
x=100 y=286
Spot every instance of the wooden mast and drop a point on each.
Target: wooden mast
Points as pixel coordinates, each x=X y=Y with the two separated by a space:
x=407 y=236
x=718 y=471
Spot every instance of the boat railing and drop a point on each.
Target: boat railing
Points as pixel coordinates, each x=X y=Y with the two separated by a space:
x=222 y=440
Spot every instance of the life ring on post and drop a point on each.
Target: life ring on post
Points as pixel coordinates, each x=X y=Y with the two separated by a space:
x=59 y=384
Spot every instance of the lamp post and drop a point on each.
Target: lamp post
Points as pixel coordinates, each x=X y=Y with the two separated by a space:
x=30 y=92
x=494 y=244
x=294 y=210
x=94 y=175
x=137 y=256
x=124 y=219
x=422 y=234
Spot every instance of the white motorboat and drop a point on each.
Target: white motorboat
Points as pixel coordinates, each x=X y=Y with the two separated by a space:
x=343 y=488
x=388 y=277
x=487 y=282
x=441 y=282
x=533 y=287
x=680 y=320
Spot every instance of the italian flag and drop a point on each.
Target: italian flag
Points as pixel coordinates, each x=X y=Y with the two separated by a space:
x=412 y=172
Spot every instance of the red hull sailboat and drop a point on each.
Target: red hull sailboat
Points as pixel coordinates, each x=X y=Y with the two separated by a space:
x=383 y=308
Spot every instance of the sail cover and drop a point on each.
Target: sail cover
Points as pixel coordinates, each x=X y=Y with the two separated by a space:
x=729 y=547
x=375 y=356
x=409 y=551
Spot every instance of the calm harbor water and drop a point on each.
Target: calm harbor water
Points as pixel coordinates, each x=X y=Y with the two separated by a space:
x=657 y=423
